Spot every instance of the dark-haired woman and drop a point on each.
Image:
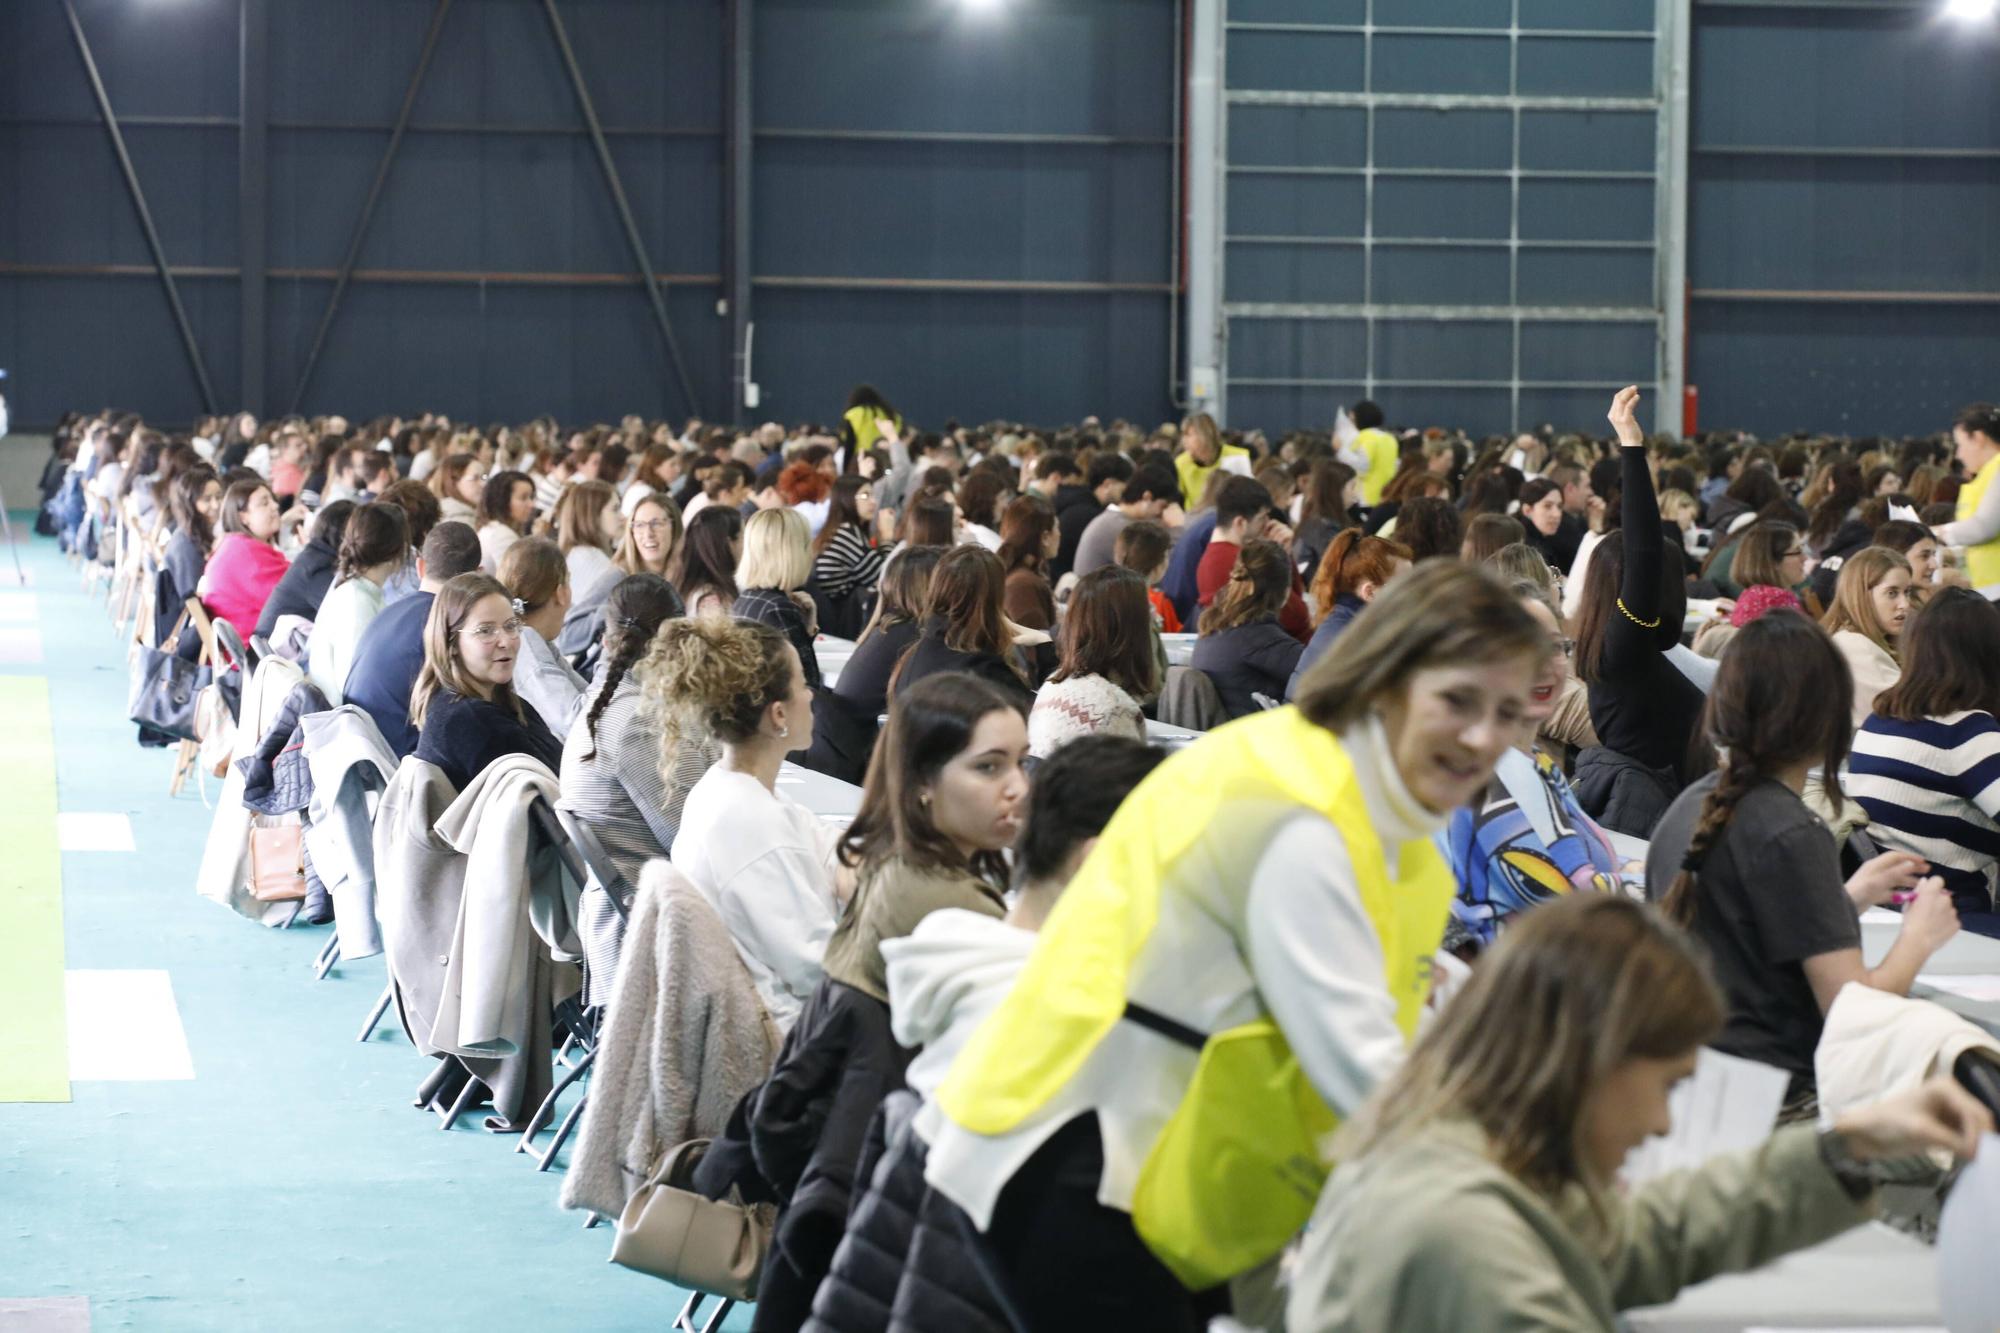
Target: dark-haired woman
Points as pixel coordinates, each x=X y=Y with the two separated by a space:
x=1926 y=762
x=192 y=507
x=506 y=514
x=1029 y=539
x=303 y=589
x=846 y=560
x=965 y=628
x=374 y=546
x=1107 y=665
x=898 y=620
x=613 y=777
x=247 y=564
x=1330 y=493
x=464 y=703
x=1242 y=647
x=1742 y=862
x=1643 y=709
x=704 y=569
x=943 y=802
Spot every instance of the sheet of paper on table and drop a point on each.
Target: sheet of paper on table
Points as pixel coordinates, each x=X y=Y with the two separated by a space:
x=1730 y=1104
x=1970 y=987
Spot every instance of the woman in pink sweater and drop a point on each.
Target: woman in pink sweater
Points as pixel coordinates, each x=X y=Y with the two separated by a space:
x=247 y=563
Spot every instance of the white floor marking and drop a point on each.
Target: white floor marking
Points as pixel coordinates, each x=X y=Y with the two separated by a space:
x=84 y=832
x=124 y=1027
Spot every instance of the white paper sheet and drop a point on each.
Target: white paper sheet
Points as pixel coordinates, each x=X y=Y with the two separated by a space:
x=1730 y=1104
x=1968 y=1279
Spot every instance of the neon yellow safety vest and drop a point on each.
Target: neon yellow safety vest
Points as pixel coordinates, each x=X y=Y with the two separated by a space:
x=1383 y=455
x=1982 y=562
x=1194 y=477
x=866 y=423
x=1238 y=1167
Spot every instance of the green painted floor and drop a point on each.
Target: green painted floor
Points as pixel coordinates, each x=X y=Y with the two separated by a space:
x=290 y=1185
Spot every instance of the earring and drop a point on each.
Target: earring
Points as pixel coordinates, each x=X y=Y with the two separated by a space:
x=784 y=733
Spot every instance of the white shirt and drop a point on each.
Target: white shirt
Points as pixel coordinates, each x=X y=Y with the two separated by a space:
x=547 y=683
x=587 y=565
x=348 y=609
x=765 y=863
x=494 y=539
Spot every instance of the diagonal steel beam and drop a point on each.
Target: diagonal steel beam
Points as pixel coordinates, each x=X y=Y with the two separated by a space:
x=139 y=204
x=632 y=236
x=374 y=196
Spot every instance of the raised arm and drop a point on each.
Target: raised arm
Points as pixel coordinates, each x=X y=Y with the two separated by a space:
x=1644 y=543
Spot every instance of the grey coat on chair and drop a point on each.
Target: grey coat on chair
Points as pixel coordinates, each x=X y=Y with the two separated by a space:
x=1189 y=699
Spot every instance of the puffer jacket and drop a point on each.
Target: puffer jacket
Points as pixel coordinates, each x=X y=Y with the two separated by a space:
x=803 y=1131
x=903 y=1266
x=1621 y=793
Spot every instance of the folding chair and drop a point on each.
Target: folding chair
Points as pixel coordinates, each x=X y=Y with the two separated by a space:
x=188 y=753
x=684 y=1321
x=592 y=867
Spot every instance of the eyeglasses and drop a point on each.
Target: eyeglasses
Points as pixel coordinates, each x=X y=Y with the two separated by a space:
x=1567 y=645
x=651 y=525
x=488 y=635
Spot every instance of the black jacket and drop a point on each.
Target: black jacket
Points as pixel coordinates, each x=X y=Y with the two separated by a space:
x=301 y=590
x=1622 y=793
x=1257 y=658
x=1075 y=506
x=804 y=1130
x=931 y=655
x=903 y=1266
x=768 y=606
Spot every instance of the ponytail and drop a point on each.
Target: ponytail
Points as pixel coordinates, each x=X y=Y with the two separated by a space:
x=1734 y=781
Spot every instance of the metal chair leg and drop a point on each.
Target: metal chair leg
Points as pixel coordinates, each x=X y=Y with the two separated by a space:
x=546 y=1111
x=328 y=956
x=467 y=1095
x=562 y=1132
x=684 y=1321
x=375 y=1015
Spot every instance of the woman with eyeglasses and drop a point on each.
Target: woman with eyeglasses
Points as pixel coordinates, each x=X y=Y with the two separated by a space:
x=464 y=704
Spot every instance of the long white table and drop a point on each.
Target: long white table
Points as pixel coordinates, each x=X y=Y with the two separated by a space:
x=831 y=799
x=1159 y=733
x=1180 y=648
x=1870 y=1277
x=832 y=652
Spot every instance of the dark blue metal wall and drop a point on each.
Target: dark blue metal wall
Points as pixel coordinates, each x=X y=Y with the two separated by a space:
x=972 y=210
x=1845 y=188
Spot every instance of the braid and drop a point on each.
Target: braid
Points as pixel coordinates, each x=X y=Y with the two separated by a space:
x=623 y=651
x=1735 y=781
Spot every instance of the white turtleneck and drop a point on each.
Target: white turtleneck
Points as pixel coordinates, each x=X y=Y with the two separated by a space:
x=1314 y=950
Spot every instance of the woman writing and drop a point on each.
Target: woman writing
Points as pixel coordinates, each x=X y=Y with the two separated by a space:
x=846 y=560
x=1353 y=574
x=1107 y=665
x=762 y=860
x=374 y=546
x=1478 y=1189
x=1871 y=603
x=1743 y=863
x=1271 y=891
x=1924 y=759
x=464 y=702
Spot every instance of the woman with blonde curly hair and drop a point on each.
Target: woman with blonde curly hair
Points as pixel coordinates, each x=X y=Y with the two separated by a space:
x=762 y=860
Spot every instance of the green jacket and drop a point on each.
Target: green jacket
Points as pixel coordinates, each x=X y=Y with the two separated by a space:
x=1432 y=1234
x=889 y=902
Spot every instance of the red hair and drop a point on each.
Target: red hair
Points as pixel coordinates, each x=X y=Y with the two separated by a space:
x=1351 y=560
x=803 y=483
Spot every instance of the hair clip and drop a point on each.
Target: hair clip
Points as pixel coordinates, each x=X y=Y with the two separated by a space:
x=520 y=607
x=1691 y=863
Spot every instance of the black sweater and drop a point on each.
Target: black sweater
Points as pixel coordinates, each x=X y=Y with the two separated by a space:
x=462 y=736
x=1640 y=704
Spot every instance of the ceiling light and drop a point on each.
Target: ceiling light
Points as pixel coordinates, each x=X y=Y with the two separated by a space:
x=1971 y=11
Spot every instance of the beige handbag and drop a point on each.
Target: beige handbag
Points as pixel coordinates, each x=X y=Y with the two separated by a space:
x=715 y=1246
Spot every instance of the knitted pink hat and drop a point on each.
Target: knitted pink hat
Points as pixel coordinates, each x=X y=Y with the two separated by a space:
x=1761 y=599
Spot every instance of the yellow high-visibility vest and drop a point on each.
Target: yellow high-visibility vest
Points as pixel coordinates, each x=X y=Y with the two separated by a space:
x=1237 y=1168
x=1982 y=562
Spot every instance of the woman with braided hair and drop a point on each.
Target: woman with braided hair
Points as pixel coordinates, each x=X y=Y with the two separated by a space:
x=1742 y=863
x=612 y=775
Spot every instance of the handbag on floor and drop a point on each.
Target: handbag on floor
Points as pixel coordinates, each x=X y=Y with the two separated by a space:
x=165 y=686
x=277 y=863
x=709 y=1245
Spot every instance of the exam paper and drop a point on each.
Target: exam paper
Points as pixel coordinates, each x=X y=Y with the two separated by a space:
x=1729 y=1105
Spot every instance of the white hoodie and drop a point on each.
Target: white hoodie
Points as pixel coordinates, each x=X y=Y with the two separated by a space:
x=945 y=977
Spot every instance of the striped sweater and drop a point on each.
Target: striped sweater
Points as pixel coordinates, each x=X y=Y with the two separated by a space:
x=1932 y=787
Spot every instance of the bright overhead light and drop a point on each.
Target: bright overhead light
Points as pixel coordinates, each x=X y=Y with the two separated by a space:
x=981 y=6
x=1971 y=11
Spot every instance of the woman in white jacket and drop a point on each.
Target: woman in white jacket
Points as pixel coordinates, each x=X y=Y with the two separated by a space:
x=1871 y=603
x=373 y=547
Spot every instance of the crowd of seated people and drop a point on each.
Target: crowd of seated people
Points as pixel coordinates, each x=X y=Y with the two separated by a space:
x=1453 y=678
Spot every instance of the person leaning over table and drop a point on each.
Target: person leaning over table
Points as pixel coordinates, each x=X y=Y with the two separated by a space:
x=1478 y=1188
x=1272 y=890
